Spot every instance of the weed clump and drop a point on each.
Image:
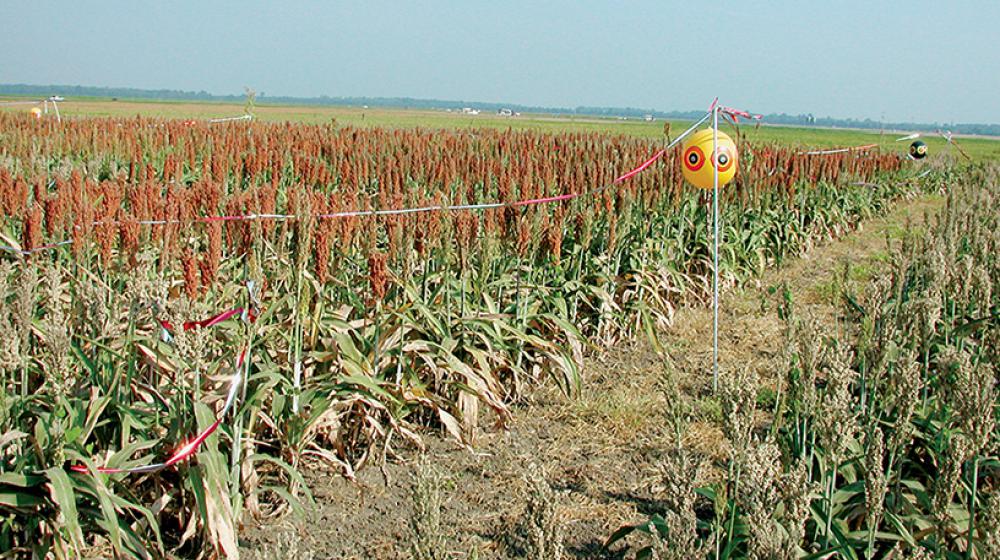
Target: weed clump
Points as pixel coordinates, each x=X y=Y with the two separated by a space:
x=427 y=539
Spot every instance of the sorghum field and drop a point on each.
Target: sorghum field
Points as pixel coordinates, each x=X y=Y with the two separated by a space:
x=201 y=297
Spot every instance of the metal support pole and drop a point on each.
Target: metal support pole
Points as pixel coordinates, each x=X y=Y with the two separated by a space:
x=715 y=248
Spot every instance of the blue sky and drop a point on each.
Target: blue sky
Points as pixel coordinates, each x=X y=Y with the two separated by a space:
x=915 y=60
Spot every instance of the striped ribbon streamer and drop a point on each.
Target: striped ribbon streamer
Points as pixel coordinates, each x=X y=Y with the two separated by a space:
x=246 y=117
x=838 y=150
x=191 y=447
x=734 y=114
x=211 y=321
x=397 y=211
x=22 y=252
x=527 y=202
x=947 y=135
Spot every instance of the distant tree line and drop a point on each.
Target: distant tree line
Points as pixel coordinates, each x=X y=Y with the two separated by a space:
x=412 y=103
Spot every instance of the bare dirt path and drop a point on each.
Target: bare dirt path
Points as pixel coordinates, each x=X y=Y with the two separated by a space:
x=596 y=450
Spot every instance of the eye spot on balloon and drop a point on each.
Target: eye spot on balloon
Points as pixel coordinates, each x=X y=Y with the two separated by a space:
x=724 y=161
x=694 y=158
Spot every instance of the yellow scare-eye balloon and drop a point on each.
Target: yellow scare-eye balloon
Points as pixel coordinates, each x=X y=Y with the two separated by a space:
x=36 y=112
x=697 y=151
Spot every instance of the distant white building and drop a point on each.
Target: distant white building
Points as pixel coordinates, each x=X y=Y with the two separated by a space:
x=469 y=111
x=505 y=112
x=648 y=118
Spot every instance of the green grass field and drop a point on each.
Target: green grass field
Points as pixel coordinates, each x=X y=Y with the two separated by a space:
x=978 y=148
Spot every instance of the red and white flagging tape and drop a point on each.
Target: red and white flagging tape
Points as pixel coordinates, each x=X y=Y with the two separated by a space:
x=235 y=381
x=839 y=150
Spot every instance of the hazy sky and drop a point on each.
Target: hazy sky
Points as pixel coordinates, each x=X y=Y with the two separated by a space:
x=915 y=60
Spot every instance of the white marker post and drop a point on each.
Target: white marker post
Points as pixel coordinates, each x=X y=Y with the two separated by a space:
x=714 y=160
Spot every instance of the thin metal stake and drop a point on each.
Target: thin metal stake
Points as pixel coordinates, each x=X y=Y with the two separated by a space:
x=715 y=249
